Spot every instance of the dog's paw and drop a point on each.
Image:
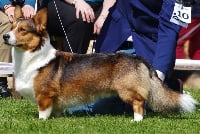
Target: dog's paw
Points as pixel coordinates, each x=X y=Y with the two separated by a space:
x=44 y=115
x=43 y=118
x=137 y=117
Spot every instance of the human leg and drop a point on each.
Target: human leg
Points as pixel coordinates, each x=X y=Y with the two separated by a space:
x=4 y=91
x=79 y=35
x=194 y=47
x=181 y=42
x=78 y=32
x=5 y=52
x=190 y=34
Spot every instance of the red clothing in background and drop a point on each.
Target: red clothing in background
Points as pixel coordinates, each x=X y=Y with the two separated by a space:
x=191 y=33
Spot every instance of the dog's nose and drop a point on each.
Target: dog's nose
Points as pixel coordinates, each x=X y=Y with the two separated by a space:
x=6 y=37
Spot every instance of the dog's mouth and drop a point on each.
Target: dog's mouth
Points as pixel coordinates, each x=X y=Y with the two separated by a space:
x=11 y=44
x=7 y=43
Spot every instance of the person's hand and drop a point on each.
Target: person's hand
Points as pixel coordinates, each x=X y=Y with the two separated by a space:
x=9 y=11
x=98 y=24
x=28 y=11
x=85 y=10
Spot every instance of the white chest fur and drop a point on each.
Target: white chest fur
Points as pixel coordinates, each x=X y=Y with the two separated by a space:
x=26 y=66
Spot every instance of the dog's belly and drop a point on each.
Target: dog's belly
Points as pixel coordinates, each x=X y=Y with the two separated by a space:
x=83 y=99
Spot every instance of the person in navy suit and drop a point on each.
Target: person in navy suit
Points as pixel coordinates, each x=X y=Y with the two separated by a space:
x=148 y=22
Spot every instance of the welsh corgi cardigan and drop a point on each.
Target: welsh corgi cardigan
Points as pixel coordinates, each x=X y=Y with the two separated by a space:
x=56 y=80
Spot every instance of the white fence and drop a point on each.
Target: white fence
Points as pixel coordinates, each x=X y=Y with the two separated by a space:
x=187 y=64
x=181 y=64
x=6 y=68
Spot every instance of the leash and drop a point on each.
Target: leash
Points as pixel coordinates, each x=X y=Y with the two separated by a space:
x=62 y=27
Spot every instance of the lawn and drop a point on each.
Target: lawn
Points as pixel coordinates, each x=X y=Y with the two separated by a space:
x=21 y=117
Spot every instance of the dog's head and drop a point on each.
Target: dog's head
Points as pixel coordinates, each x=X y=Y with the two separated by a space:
x=27 y=34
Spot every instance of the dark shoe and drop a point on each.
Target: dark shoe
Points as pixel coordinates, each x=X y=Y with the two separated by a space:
x=4 y=91
x=175 y=85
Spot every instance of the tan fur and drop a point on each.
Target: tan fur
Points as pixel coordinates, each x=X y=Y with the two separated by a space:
x=18 y=12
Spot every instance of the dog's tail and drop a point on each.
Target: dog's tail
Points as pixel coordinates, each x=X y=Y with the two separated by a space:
x=162 y=99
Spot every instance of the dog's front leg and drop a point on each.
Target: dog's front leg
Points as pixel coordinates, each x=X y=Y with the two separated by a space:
x=44 y=114
x=45 y=107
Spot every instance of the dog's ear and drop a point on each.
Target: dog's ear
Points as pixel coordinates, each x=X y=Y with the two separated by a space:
x=40 y=20
x=18 y=13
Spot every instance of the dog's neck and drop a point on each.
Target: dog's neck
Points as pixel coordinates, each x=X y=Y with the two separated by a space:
x=26 y=61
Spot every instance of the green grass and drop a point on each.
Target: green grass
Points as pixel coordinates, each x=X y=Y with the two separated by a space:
x=21 y=117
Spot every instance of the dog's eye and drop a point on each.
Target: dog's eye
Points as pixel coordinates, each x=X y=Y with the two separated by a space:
x=22 y=29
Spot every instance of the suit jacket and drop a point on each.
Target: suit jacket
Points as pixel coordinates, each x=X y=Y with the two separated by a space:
x=148 y=21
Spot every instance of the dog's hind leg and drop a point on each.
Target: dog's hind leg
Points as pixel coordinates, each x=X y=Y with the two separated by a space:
x=138 y=107
x=136 y=101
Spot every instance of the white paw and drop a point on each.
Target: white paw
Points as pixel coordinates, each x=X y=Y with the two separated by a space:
x=44 y=115
x=137 y=117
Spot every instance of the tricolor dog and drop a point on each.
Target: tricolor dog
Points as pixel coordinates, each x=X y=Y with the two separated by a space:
x=56 y=80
